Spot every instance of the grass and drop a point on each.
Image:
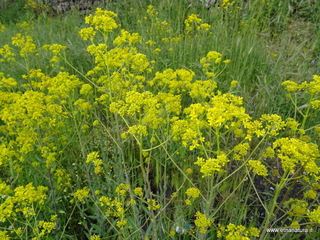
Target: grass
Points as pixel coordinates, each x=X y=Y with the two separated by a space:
x=135 y=141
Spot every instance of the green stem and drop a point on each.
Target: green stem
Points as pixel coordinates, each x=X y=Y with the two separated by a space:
x=305 y=116
x=217 y=139
x=273 y=205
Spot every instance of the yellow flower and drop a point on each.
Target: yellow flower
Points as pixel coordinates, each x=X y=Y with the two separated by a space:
x=291 y=86
x=191 y=21
x=63 y=178
x=102 y=20
x=25 y=25
x=295 y=153
x=25 y=43
x=4 y=235
x=258 y=167
x=6 y=54
x=23 y=199
x=105 y=201
x=151 y=11
x=297 y=206
x=150 y=43
x=189 y=171
x=172 y=233
x=7 y=82
x=87 y=33
x=193 y=192
x=122 y=189
x=152 y=204
x=210 y=166
x=234 y=83
x=46 y=227
x=202 y=221
x=226 y=4
x=273 y=123
x=95 y=237
x=234 y=232
x=212 y=57
x=86 y=89
x=295 y=225
x=93 y=156
x=311 y=194
x=122 y=223
x=127 y=38
x=240 y=151
x=81 y=194
x=315 y=215
x=204 y=26
x=138 y=191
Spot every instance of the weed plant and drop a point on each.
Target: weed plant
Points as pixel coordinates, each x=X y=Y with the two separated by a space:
x=161 y=120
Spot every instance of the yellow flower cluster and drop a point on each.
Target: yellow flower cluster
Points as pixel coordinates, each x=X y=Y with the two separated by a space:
x=122 y=189
x=212 y=57
x=147 y=109
x=127 y=38
x=25 y=43
x=210 y=62
x=240 y=151
x=63 y=179
x=192 y=193
x=81 y=194
x=46 y=227
x=23 y=199
x=226 y=4
x=315 y=215
x=56 y=50
x=297 y=207
x=173 y=81
x=234 y=232
x=116 y=207
x=118 y=69
x=226 y=110
x=7 y=82
x=295 y=153
x=87 y=33
x=210 y=166
x=97 y=162
x=86 y=89
x=223 y=110
x=193 y=23
x=272 y=123
x=258 y=167
x=138 y=191
x=95 y=237
x=63 y=85
x=202 y=221
x=153 y=204
x=310 y=194
x=312 y=87
x=4 y=235
x=31 y=3
x=102 y=20
x=26 y=26
x=23 y=115
x=6 y=54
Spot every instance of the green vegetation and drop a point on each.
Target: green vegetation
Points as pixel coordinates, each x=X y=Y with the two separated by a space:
x=160 y=120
